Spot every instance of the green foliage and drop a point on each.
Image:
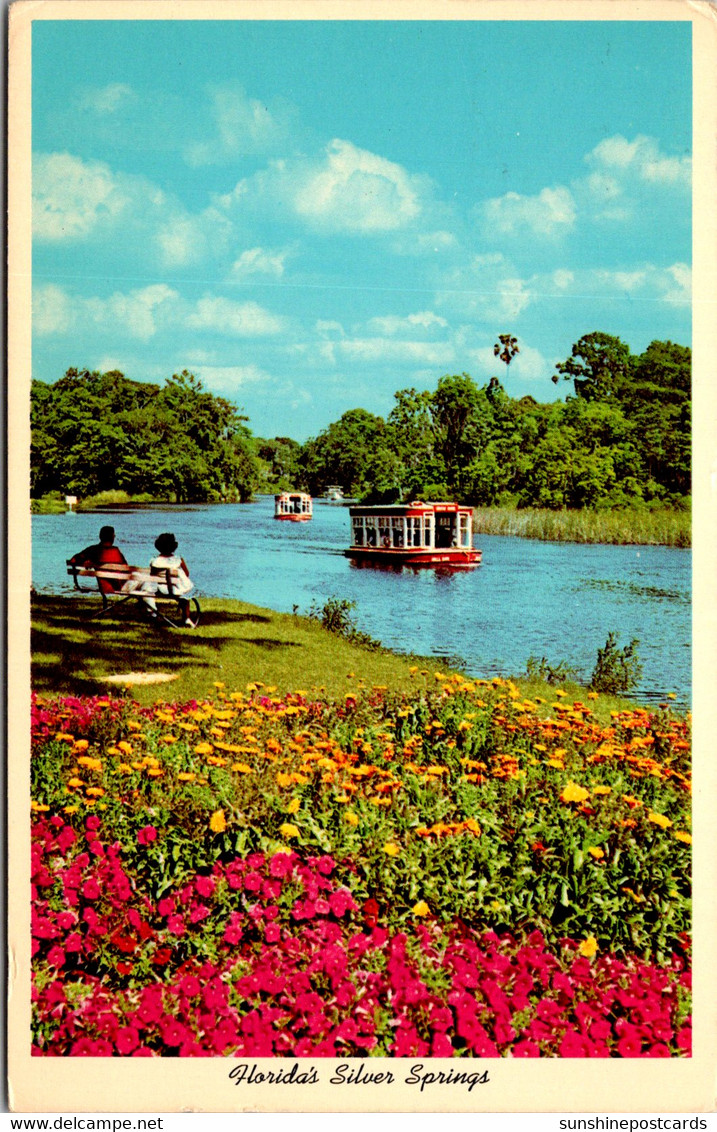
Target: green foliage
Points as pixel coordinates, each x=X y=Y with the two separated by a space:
x=336 y=616
x=622 y=441
x=100 y=432
x=616 y=670
x=540 y=668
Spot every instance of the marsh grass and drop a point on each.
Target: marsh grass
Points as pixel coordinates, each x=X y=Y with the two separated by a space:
x=664 y=527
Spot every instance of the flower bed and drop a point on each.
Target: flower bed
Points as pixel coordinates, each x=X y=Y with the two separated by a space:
x=453 y=873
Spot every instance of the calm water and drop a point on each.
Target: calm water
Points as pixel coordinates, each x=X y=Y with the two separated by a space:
x=529 y=598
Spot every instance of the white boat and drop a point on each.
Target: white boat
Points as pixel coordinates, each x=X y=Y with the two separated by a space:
x=294 y=506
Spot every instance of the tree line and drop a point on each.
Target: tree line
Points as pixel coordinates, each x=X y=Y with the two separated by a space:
x=622 y=437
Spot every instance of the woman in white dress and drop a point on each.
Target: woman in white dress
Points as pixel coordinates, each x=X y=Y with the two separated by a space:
x=182 y=584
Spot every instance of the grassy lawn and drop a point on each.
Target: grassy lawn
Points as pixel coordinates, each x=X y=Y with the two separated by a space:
x=74 y=651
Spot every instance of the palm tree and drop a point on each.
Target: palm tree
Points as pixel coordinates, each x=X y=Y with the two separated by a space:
x=506 y=348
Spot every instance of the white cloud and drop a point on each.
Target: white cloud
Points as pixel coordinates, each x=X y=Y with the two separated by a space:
x=51 y=310
x=528 y=365
x=139 y=312
x=71 y=197
x=344 y=190
x=107 y=99
x=230 y=377
x=398 y=325
x=678 y=285
x=377 y=350
x=243 y=125
x=258 y=261
x=354 y=190
x=487 y=288
x=243 y=320
x=549 y=213
x=641 y=158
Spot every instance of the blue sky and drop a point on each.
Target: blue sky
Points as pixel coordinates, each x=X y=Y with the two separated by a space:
x=311 y=215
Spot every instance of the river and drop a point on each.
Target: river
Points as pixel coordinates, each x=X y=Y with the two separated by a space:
x=528 y=598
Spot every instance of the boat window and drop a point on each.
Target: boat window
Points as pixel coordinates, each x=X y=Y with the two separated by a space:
x=397 y=529
x=428 y=530
x=465 y=531
x=384 y=531
x=445 y=531
x=370 y=531
x=415 y=527
x=358 y=532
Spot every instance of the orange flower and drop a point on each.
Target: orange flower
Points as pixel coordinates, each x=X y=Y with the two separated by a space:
x=217 y=822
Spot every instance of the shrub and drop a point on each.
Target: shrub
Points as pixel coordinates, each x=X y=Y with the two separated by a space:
x=336 y=616
x=616 y=670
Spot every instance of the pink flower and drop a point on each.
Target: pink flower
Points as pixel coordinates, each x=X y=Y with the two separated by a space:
x=56 y=957
x=126 y=1040
x=146 y=835
x=629 y=1047
x=173 y=1033
x=204 y=885
x=175 y=925
x=525 y=1048
x=280 y=864
x=684 y=1039
x=90 y=889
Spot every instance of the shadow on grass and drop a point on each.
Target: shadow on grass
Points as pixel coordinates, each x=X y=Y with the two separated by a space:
x=74 y=645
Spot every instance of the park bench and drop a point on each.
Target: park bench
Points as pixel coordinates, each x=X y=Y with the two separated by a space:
x=126 y=583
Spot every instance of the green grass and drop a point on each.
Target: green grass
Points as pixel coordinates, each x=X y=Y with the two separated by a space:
x=659 y=527
x=74 y=648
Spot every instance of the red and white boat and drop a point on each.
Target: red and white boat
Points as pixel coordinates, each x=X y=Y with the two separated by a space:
x=293 y=505
x=414 y=534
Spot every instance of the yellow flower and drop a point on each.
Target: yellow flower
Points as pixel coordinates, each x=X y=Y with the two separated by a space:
x=186 y=776
x=391 y=849
x=203 y=749
x=574 y=793
x=659 y=819
x=75 y=782
x=596 y=852
x=217 y=822
x=588 y=947
x=81 y=745
x=95 y=791
x=681 y=835
x=38 y=808
x=125 y=747
x=288 y=830
x=219 y=684
x=602 y=790
x=592 y=695
x=241 y=767
x=293 y=806
x=420 y=909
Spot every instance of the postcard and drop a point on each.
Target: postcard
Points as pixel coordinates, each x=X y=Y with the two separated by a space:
x=361 y=556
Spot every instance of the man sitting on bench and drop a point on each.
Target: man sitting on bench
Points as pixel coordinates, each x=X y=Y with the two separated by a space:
x=102 y=553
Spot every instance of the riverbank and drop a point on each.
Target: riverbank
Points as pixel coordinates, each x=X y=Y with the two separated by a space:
x=660 y=527
x=237 y=645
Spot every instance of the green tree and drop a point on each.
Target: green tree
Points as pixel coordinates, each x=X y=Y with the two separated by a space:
x=599 y=366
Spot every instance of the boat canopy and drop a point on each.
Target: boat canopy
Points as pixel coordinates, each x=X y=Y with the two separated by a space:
x=425 y=526
x=292 y=503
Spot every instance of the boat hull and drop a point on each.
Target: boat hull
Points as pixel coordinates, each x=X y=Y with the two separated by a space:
x=451 y=557
x=294 y=518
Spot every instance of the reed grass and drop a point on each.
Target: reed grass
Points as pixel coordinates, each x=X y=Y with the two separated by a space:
x=663 y=527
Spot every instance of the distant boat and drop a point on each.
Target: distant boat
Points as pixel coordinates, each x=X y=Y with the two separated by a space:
x=414 y=534
x=333 y=494
x=293 y=505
